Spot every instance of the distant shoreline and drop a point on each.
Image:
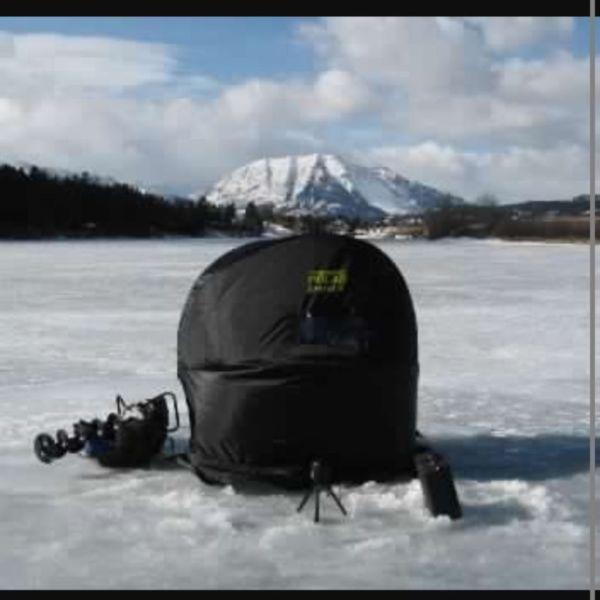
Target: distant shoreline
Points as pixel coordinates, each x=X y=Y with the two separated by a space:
x=241 y=238
x=39 y=205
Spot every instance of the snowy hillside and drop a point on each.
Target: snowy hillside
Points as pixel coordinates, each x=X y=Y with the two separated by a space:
x=503 y=392
x=324 y=184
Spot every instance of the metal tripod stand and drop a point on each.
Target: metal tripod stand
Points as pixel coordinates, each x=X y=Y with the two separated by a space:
x=320 y=475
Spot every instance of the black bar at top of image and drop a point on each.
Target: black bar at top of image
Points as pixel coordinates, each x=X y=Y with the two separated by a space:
x=306 y=8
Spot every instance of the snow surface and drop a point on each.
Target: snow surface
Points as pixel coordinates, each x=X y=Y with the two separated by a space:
x=503 y=391
x=323 y=184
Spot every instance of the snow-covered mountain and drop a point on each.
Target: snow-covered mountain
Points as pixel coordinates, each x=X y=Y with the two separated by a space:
x=325 y=184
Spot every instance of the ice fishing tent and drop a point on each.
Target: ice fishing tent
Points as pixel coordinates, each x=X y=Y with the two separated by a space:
x=297 y=349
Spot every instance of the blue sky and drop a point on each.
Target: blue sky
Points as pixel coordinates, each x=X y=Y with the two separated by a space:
x=469 y=105
x=226 y=47
x=229 y=48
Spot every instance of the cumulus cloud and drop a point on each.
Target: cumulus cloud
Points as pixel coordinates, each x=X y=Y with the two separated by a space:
x=510 y=33
x=452 y=84
x=332 y=95
x=426 y=54
x=558 y=79
x=121 y=108
x=513 y=173
x=441 y=79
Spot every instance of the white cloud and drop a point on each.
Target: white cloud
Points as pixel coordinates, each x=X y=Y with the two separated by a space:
x=77 y=103
x=51 y=62
x=513 y=173
x=560 y=78
x=453 y=84
x=510 y=33
x=332 y=95
x=423 y=53
x=338 y=93
x=440 y=78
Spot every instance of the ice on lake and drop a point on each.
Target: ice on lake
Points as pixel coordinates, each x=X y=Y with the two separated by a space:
x=503 y=343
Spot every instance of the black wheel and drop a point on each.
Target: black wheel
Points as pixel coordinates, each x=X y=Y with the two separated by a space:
x=45 y=448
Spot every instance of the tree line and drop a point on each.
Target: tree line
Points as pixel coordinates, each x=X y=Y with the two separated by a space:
x=35 y=203
x=531 y=220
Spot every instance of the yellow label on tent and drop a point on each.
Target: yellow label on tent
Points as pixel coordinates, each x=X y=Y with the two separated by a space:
x=323 y=280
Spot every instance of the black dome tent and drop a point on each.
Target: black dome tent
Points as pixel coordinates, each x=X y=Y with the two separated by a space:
x=297 y=349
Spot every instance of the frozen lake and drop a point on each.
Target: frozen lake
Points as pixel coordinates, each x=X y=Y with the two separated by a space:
x=503 y=342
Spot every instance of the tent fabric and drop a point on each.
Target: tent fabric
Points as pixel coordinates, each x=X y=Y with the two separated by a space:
x=298 y=349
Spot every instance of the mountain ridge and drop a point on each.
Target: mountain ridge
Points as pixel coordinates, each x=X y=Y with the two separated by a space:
x=325 y=185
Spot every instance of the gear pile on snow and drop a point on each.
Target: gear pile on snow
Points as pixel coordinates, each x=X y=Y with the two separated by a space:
x=128 y=438
x=298 y=359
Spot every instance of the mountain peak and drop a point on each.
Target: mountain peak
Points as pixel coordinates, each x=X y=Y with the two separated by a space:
x=323 y=184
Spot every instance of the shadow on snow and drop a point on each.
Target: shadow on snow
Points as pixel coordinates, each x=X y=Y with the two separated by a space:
x=530 y=458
